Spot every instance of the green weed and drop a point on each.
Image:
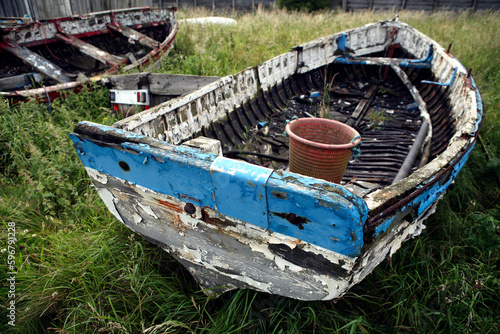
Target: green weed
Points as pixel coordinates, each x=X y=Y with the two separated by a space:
x=377 y=117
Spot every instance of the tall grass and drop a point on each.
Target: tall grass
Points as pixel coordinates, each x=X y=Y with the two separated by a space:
x=79 y=270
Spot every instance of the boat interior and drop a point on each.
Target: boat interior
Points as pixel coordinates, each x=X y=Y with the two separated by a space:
x=371 y=99
x=395 y=91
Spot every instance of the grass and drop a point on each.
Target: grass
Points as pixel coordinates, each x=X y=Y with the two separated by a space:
x=81 y=271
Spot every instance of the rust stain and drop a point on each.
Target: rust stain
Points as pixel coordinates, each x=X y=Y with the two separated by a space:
x=188 y=197
x=214 y=221
x=174 y=219
x=297 y=243
x=179 y=225
x=171 y=206
x=392 y=33
x=467 y=79
x=279 y=194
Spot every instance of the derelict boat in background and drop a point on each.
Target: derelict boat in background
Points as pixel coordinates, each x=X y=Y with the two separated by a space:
x=205 y=175
x=43 y=58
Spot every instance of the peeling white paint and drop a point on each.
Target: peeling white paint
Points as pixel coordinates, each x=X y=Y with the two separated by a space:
x=97 y=175
x=108 y=199
x=191 y=221
x=137 y=218
x=148 y=210
x=286 y=265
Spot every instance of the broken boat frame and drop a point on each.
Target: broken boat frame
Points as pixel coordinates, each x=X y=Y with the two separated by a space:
x=41 y=59
x=165 y=173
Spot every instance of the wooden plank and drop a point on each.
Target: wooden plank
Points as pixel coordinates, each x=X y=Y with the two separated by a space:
x=20 y=81
x=363 y=105
x=177 y=84
x=417 y=63
x=91 y=50
x=134 y=36
x=128 y=81
x=159 y=83
x=39 y=63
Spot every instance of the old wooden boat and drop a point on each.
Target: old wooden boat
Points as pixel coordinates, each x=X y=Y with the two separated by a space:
x=41 y=59
x=205 y=176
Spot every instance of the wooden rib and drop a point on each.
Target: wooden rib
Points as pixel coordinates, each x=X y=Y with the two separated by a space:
x=91 y=50
x=39 y=63
x=135 y=36
x=425 y=133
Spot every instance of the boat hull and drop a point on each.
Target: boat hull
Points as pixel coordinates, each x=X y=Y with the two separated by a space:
x=235 y=224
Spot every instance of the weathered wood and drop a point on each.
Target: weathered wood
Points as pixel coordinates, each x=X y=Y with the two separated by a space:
x=90 y=50
x=76 y=44
x=177 y=84
x=128 y=81
x=363 y=105
x=159 y=83
x=37 y=62
x=20 y=81
x=237 y=223
x=417 y=63
x=134 y=36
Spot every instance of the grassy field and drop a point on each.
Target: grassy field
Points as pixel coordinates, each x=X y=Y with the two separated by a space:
x=81 y=271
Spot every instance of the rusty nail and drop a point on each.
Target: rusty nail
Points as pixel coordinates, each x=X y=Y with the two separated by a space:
x=469 y=72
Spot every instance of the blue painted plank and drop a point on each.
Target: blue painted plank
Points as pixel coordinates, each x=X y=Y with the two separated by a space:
x=306 y=208
x=316 y=211
x=425 y=200
x=429 y=196
x=182 y=173
x=240 y=190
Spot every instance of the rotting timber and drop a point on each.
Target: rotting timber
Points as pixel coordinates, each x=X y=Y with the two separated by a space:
x=43 y=59
x=205 y=175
